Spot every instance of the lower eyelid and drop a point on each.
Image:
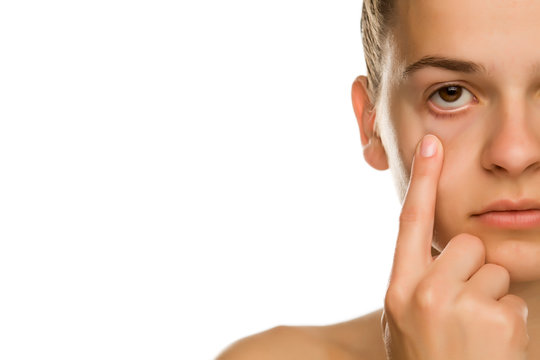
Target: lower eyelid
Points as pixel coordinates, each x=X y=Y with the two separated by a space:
x=453 y=112
x=449 y=114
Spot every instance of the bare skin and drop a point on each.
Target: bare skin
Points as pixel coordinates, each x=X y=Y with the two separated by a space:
x=492 y=141
x=491 y=144
x=333 y=342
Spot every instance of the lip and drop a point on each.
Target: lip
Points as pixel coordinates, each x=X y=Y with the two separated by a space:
x=510 y=205
x=510 y=214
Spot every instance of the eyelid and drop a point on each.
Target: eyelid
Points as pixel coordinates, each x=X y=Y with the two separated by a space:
x=428 y=93
x=448 y=114
x=452 y=112
x=433 y=89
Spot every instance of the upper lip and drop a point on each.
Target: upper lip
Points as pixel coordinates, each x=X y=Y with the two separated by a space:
x=511 y=205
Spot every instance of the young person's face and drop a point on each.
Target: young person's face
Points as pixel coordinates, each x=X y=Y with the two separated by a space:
x=492 y=141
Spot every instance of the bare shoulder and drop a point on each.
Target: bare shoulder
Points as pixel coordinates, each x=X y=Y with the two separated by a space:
x=281 y=342
x=357 y=339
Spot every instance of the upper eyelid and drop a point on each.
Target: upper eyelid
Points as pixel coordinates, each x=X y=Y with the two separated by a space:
x=430 y=94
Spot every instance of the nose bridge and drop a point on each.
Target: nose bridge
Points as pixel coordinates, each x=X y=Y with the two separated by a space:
x=514 y=144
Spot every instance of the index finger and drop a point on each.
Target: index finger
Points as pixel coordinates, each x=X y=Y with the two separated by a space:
x=413 y=246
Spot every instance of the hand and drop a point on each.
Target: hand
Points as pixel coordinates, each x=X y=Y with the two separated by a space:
x=450 y=307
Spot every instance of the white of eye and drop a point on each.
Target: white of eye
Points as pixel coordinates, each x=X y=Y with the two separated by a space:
x=464 y=97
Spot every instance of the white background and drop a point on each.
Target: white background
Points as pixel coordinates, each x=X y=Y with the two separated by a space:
x=177 y=175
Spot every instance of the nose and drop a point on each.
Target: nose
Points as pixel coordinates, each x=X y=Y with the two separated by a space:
x=513 y=145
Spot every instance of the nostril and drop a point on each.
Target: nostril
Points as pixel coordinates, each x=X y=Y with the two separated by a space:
x=498 y=168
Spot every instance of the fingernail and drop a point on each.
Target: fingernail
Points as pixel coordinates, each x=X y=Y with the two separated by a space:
x=429 y=146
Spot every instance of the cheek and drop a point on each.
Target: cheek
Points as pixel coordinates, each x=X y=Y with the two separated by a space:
x=453 y=197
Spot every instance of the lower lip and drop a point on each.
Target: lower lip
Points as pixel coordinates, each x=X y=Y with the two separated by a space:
x=522 y=219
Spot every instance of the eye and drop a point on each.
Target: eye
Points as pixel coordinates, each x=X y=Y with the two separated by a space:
x=452 y=94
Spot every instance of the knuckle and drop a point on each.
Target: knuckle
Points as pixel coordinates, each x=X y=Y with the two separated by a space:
x=395 y=299
x=498 y=271
x=519 y=301
x=512 y=330
x=467 y=303
x=511 y=301
x=521 y=310
x=470 y=306
x=508 y=321
x=469 y=243
x=428 y=295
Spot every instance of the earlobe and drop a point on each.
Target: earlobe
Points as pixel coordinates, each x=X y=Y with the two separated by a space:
x=374 y=152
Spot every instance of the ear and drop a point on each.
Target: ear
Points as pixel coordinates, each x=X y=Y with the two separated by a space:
x=364 y=110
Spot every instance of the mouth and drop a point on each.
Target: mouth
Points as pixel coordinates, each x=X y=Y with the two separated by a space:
x=509 y=214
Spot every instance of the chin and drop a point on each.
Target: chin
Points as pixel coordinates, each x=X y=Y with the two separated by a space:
x=518 y=252
x=520 y=256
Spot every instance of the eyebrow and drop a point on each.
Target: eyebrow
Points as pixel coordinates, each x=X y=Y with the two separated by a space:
x=444 y=63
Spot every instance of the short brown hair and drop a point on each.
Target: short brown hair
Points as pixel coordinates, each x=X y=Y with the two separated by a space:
x=375 y=25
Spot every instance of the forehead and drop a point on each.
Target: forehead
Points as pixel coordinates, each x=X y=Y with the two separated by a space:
x=500 y=35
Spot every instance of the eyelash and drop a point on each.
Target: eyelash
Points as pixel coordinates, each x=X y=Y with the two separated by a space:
x=450 y=114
